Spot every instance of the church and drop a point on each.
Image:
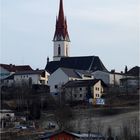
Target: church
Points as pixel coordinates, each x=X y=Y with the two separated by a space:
x=61 y=50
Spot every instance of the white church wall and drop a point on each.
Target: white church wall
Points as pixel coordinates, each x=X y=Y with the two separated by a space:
x=64 y=45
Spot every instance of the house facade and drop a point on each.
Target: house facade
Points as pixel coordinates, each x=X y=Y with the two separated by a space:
x=63 y=75
x=6 y=114
x=35 y=77
x=83 y=90
x=110 y=78
x=7 y=70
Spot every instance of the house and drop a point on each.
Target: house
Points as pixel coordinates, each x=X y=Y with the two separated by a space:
x=82 y=90
x=59 y=135
x=135 y=71
x=131 y=81
x=66 y=135
x=63 y=75
x=110 y=78
x=7 y=70
x=6 y=114
x=33 y=77
x=8 y=81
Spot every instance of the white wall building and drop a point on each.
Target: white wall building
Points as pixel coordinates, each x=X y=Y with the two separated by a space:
x=7 y=70
x=63 y=75
x=32 y=77
x=110 y=78
x=6 y=114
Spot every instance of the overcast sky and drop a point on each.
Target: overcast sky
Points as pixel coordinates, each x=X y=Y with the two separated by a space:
x=104 y=28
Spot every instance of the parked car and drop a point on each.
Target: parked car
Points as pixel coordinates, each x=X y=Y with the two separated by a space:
x=51 y=125
x=21 y=127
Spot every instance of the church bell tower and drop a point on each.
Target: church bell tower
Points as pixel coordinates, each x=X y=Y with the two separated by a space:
x=61 y=37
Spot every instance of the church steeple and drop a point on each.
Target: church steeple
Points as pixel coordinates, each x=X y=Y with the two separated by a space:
x=61 y=36
x=61 y=31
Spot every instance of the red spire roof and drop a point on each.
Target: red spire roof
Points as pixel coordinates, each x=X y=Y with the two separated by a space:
x=61 y=32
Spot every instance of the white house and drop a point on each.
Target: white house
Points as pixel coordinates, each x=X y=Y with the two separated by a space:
x=6 y=114
x=63 y=75
x=32 y=77
x=7 y=70
x=110 y=78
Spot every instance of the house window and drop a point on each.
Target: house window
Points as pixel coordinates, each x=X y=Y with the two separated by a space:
x=75 y=95
x=80 y=89
x=97 y=95
x=97 y=88
x=80 y=95
x=56 y=86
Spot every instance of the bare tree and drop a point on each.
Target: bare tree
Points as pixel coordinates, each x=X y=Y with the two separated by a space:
x=63 y=115
x=130 y=129
x=98 y=126
x=109 y=133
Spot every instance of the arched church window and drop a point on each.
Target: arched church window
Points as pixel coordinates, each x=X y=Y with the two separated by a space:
x=67 y=50
x=59 y=50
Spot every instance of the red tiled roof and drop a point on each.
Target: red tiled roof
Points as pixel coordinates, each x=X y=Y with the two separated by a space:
x=61 y=32
x=14 y=68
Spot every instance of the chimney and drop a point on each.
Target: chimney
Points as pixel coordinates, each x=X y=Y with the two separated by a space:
x=48 y=60
x=79 y=132
x=11 y=65
x=126 y=70
x=113 y=71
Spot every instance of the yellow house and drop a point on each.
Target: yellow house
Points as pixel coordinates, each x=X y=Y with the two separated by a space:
x=83 y=90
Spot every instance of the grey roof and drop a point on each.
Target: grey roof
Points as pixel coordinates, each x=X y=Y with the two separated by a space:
x=75 y=73
x=30 y=72
x=89 y=63
x=11 y=77
x=70 y=72
x=16 y=68
x=77 y=135
x=81 y=83
x=135 y=71
x=87 y=135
